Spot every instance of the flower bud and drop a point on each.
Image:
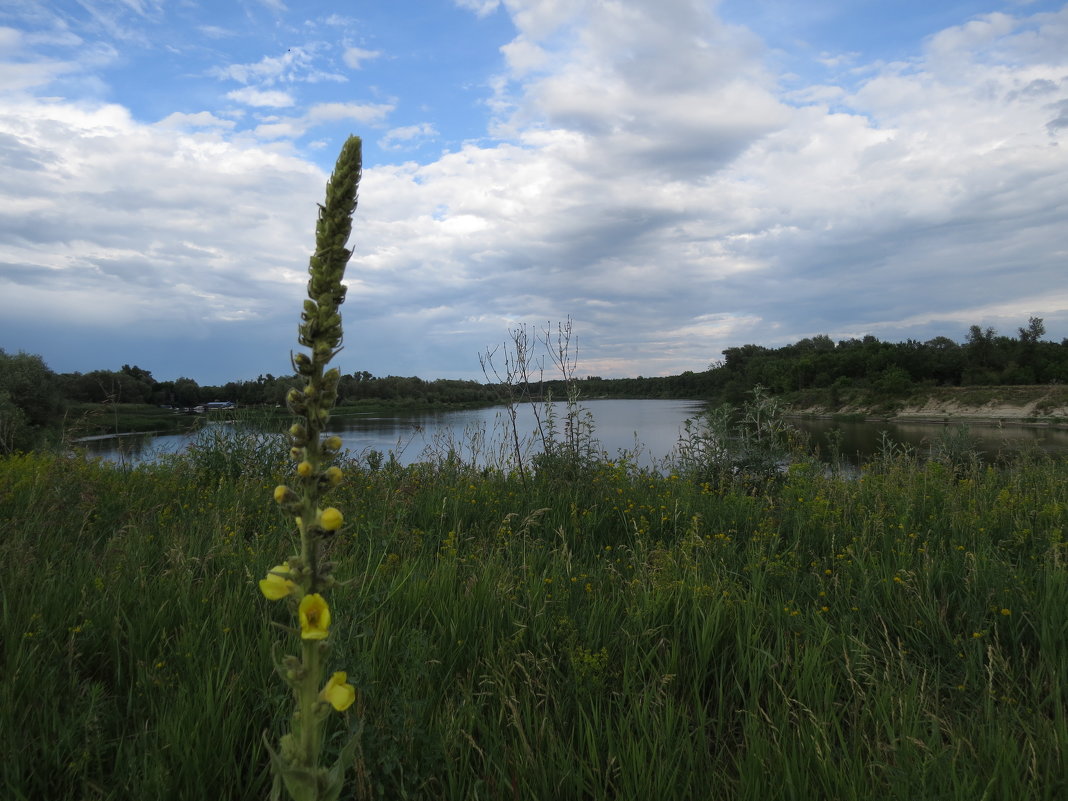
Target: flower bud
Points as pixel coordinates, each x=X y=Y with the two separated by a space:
x=298 y=436
x=331 y=519
x=304 y=469
x=295 y=401
x=302 y=364
x=283 y=494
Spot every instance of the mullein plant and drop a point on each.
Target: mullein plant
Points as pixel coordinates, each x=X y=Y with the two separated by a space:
x=305 y=578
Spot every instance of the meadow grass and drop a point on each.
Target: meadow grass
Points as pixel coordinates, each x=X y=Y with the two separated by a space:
x=600 y=633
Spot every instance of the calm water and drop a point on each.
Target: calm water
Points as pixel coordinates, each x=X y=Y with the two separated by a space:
x=861 y=440
x=483 y=436
x=647 y=428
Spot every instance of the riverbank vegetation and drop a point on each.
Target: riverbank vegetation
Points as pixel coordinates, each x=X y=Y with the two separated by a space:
x=38 y=406
x=584 y=630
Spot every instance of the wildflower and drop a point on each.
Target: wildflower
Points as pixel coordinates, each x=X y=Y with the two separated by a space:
x=282 y=494
x=314 y=617
x=276 y=586
x=334 y=475
x=338 y=693
x=304 y=468
x=331 y=519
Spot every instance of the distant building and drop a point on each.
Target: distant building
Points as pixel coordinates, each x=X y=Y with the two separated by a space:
x=215 y=406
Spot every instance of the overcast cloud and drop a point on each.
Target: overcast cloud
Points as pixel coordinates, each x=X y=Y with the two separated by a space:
x=647 y=168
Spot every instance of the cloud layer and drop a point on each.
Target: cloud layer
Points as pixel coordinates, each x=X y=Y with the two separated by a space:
x=641 y=169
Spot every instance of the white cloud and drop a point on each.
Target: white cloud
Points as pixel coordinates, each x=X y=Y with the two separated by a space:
x=31 y=71
x=294 y=127
x=481 y=7
x=653 y=180
x=126 y=224
x=10 y=39
x=216 y=32
x=524 y=57
x=355 y=56
x=261 y=98
x=397 y=138
x=201 y=119
x=647 y=193
x=297 y=64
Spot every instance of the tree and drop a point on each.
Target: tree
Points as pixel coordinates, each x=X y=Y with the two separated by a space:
x=31 y=386
x=186 y=392
x=1035 y=330
x=30 y=400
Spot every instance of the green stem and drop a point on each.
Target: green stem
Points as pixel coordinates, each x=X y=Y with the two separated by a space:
x=308 y=724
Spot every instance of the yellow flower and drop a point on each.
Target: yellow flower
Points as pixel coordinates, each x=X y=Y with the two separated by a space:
x=275 y=587
x=331 y=519
x=335 y=475
x=304 y=468
x=314 y=617
x=337 y=693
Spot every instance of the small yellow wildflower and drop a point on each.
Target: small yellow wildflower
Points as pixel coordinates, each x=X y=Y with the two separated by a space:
x=331 y=519
x=314 y=617
x=304 y=468
x=338 y=693
x=334 y=475
x=275 y=586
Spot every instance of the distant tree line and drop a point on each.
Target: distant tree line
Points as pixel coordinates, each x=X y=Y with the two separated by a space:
x=865 y=367
x=891 y=369
x=34 y=398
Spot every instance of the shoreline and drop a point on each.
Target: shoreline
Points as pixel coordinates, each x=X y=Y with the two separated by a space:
x=958 y=418
x=998 y=406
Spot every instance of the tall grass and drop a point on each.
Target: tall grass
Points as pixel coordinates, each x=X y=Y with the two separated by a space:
x=616 y=635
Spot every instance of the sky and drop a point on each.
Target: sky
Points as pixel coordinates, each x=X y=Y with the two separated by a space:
x=675 y=177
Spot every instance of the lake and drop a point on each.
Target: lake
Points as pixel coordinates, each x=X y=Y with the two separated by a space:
x=647 y=429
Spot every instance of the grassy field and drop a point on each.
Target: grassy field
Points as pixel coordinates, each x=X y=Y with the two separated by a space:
x=592 y=632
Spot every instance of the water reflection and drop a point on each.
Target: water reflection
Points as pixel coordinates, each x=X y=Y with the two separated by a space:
x=647 y=429
x=858 y=441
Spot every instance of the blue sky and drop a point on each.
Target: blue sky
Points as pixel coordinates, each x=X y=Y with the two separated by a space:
x=677 y=176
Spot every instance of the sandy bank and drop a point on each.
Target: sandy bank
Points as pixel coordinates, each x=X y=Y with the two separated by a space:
x=1031 y=405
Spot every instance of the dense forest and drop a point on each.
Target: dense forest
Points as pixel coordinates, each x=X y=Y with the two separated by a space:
x=860 y=369
x=34 y=399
